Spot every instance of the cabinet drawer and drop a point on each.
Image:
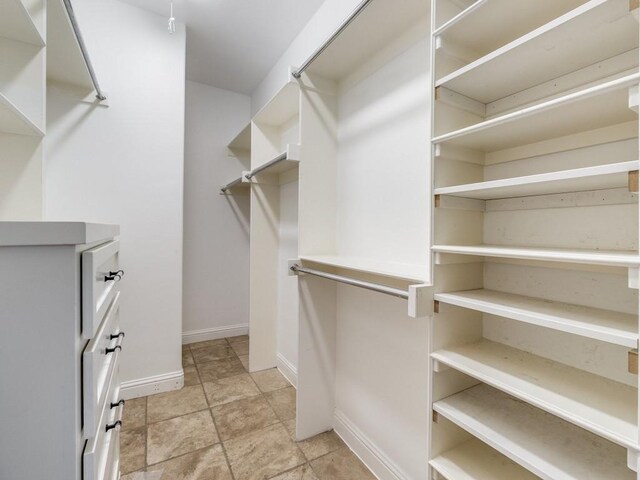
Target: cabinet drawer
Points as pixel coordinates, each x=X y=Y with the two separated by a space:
x=100 y=357
x=100 y=276
x=101 y=453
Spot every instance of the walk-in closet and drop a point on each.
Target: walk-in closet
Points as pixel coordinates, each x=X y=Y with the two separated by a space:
x=319 y=240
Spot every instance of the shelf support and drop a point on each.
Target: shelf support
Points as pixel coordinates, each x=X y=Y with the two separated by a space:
x=463 y=54
x=634 y=278
x=632 y=459
x=632 y=361
x=436 y=306
x=461 y=102
x=633 y=181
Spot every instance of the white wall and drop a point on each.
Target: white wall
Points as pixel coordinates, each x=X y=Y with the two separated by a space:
x=124 y=165
x=325 y=21
x=216 y=227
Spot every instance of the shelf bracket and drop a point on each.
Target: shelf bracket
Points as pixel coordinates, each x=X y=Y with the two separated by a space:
x=633 y=181
x=452 y=49
x=634 y=97
x=439 y=367
x=434 y=416
x=436 y=306
x=436 y=201
x=420 y=301
x=632 y=360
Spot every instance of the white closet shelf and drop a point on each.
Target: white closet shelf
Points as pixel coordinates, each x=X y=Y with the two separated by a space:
x=602 y=406
x=282 y=107
x=475 y=26
x=601 y=177
x=595 y=31
x=12 y=120
x=475 y=460
x=595 y=107
x=588 y=257
x=65 y=62
x=16 y=23
x=402 y=271
x=242 y=141
x=287 y=160
x=543 y=444
x=604 y=325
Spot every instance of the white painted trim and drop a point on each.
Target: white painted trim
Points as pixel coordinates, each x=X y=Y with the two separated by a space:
x=368 y=452
x=215 y=333
x=142 y=387
x=287 y=369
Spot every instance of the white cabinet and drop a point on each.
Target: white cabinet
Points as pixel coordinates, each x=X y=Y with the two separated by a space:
x=60 y=347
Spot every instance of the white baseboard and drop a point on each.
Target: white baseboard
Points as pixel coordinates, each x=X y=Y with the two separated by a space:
x=377 y=461
x=287 y=369
x=152 y=385
x=193 y=336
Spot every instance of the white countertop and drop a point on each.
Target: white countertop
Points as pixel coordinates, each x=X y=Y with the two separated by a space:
x=54 y=233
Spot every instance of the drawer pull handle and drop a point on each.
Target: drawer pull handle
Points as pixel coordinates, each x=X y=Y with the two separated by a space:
x=111 y=350
x=118 y=403
x=119 y=273
x=117 y=346
x=110 y=426
x=113 y=336
x=110 y=277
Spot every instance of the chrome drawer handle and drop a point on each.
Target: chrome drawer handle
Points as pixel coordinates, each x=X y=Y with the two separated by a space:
x=120 y=273
x=117 y=346
x=110 y=277
x=118 y=403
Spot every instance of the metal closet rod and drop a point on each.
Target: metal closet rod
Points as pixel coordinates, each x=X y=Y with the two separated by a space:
x=395 y=292
x=76 y=30
x=359 y=9
x=270 y=163
x=231 y=185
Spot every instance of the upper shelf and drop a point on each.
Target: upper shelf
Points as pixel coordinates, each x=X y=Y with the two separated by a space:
x=598 y=404
x=377 y=27
x=474 y=460
x=242 y=141
x=614 y=175
x=588 y=257
x=588 y=109
x=542 y=443
x=595 y=31
x=604 y=325
x=282 y=107
x=12 y=120
x=400 y=271
x=65 y=62
x=475 y=25
x=17 y=22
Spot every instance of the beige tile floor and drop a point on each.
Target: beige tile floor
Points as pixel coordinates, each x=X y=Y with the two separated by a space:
x=227 y=424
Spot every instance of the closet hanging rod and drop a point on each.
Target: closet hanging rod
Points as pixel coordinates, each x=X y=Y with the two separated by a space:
x=230 y=185
x=359 y=9
x=395 y=292
x=76 y=30
x=270 y=163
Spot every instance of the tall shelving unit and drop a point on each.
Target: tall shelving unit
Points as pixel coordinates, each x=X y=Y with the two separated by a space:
x=533 y=343
x=38 y=49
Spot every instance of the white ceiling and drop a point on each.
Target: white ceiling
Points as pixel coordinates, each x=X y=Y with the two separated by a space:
x=233 y=44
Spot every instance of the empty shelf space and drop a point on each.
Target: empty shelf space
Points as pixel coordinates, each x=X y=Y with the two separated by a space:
x=543 y=444
x=16 y=23
x=601 y=177
x=475 y=460
x=242 y=141
x=595 y=107
x=401 y=271
x=595 y=403
x=595 y=31
x=588 y=257
x=287 y=160
x=12 y=120
x=605 y=325
x=475 y=26
x=65 y=62
x=235 y=187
